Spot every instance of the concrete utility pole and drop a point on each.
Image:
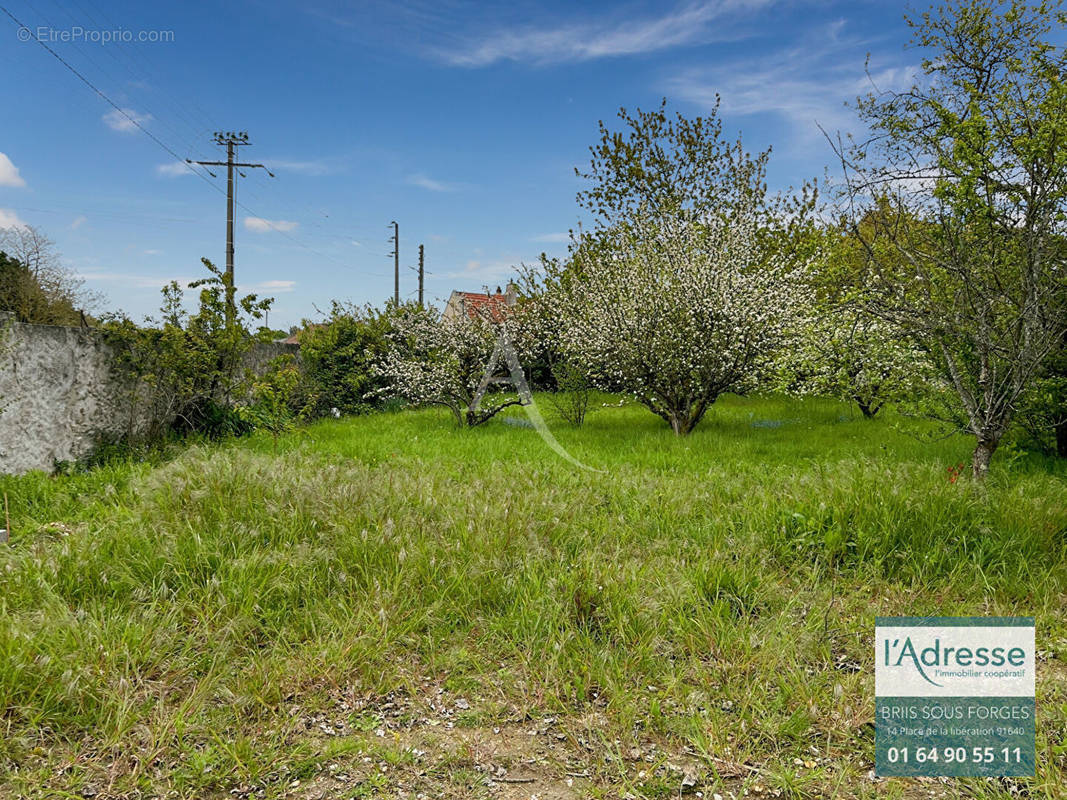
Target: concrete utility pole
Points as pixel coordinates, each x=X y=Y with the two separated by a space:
x=396 y=262
x=422 y=272
x=232 y=141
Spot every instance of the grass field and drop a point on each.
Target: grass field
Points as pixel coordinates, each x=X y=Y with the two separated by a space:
x=388 y=606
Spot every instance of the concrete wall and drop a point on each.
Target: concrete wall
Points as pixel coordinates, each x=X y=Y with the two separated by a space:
x=58 y=393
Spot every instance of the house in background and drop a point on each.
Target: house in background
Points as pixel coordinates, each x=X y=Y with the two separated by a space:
x=481 y=304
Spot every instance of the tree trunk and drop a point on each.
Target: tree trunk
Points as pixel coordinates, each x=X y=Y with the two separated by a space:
x=1061 y=438
x=868 y=409
x=980 y=460
x=682 y=423
x=678 y=424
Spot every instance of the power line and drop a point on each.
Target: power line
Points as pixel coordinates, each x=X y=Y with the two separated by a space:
x=103 y=96
x=166 y=148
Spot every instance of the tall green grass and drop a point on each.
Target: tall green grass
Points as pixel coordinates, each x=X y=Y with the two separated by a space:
x=177 y=611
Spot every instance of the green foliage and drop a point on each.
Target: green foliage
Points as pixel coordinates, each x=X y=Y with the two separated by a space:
x=1043 y=409
x=337 y=357
x=965 y=178
x=186 y=372
x=843 y=350
x=35 y=285
x=685 y=164
x=272 y=398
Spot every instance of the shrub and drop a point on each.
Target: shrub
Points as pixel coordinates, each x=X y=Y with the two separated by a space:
x=571 y=398
x=337 y=358
x=273 y=398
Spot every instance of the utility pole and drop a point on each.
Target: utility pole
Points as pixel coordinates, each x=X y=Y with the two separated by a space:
x=396 y=262
x=232 y=140
x=422 y=272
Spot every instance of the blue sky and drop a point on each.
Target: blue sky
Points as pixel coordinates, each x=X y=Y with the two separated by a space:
x=462 y=121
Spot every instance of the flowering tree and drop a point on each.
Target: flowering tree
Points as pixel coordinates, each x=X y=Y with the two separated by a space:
x=440 y=360
x=847 y=354
x=844 y=351
x=675 y=311
x=689 y=278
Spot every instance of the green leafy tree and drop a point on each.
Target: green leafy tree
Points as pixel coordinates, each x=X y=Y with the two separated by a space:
x=967 y=171
x=1043 y=409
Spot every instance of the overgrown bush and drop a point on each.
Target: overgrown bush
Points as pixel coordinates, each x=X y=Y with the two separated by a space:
x=337 y=357
x=186 y=372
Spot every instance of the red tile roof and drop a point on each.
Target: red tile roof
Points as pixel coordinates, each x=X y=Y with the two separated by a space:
x=479 y=304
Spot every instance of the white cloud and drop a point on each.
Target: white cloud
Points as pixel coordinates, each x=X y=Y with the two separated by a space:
x=497 y=271
x=153 y=252
x=9 y=173
x=9 y=219
x=79 y=220
x=689 y=23
x=426 y=182
x=275 y=286
x=552 y=238
x=126 y=120
x=260 y=225
x=808 y=85
x=174 y=169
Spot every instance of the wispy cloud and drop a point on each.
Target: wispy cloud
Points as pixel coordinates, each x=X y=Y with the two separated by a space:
x=274 y=286
x=314 y=167
x=9 y=173
x=808 y=85
x=79 y=220
x=426 y=182
x=604 y=37
x=9 y=219
x=137 y=281
x=551 y=238
x=174 y=169
x=125 y=120
x=260 y=225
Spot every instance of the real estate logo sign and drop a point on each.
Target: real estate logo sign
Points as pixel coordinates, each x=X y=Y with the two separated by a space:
x=954 y=696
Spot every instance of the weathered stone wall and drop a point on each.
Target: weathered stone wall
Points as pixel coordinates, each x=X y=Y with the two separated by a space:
x=58 y=393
